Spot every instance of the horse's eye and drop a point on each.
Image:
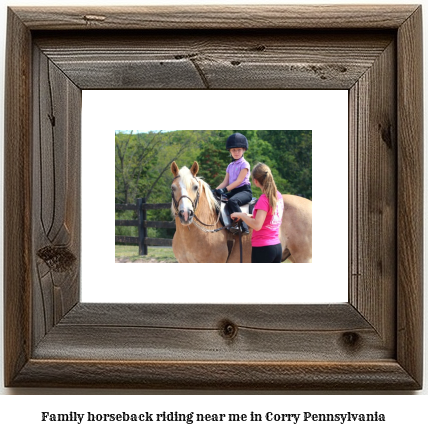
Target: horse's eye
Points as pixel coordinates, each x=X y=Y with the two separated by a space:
x=195 y=187
x=173 y=187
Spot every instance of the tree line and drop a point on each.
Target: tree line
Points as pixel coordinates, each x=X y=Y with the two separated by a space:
x=143 y=160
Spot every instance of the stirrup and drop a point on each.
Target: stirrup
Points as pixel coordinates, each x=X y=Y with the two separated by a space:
x=235 y=229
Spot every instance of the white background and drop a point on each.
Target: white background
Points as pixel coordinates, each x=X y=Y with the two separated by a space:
x=16 y=412
x=323 y=112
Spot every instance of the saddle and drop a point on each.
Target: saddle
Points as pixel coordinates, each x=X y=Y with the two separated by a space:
x=225 y=218
x=227 y=222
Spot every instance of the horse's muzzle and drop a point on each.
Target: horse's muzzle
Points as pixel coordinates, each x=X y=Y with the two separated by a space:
x=185 y=216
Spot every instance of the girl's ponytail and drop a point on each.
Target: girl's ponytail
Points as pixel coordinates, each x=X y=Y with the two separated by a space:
x=264 y=176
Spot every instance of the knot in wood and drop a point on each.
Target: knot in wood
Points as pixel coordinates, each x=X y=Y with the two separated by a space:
x=386 y=134
x=59 y=259
x=94 y=18
x=351 y=340
x=227 y=329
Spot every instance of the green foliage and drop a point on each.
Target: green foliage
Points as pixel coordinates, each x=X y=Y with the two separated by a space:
x=262 y=151
x=292 y=153
x=135 y=158
x=213 y=158
x=143 y=163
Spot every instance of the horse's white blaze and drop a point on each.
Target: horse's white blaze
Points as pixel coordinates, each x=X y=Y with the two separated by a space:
x=184 y=203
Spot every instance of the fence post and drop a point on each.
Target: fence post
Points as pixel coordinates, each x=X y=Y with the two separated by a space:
x=142 y=230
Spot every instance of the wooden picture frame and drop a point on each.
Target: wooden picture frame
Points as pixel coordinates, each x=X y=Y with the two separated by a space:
x=372 y=342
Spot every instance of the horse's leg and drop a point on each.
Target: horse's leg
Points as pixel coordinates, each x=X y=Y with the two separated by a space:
x=178 y=250
x=301 y=259
x=300 y=255
x=295 y=255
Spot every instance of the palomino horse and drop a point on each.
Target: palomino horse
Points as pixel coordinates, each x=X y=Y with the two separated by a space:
x=195 y=238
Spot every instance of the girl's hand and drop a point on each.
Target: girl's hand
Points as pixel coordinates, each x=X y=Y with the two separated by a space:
x=236 y=215
x=220 y=191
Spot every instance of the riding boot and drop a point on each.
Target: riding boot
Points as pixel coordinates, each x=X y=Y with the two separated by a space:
x=244 y=228
x=235 y=228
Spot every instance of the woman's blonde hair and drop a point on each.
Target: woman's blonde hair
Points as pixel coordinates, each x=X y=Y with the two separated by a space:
x=263 y=174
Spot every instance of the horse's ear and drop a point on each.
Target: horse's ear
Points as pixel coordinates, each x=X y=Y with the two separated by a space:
x=194 y=169
x=174 y=168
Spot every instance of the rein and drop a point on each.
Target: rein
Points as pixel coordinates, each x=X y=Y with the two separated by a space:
x=194 y=205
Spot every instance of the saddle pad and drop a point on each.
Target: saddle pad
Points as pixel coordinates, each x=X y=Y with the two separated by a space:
x=224 y=213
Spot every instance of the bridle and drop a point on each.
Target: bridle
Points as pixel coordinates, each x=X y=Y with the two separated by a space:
x=194 y=205
x=177 y=202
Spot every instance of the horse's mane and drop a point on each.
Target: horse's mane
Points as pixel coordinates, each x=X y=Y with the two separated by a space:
x=186 y=178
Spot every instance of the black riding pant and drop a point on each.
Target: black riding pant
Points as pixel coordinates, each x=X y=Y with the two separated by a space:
x=266 y=254
x=239 y=196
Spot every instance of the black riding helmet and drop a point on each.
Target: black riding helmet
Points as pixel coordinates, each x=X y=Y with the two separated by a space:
x=237 y=140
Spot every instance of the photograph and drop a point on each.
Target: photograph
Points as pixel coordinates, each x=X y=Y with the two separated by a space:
x=232 y=172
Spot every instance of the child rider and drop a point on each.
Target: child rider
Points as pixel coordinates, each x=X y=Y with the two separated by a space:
x=236 y=184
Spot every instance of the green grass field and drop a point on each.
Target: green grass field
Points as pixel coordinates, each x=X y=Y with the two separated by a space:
x=154 y=254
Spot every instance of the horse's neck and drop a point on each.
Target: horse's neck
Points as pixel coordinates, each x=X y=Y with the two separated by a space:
x=204 y=212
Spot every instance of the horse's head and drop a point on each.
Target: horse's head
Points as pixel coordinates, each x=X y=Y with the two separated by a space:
x=185 y=192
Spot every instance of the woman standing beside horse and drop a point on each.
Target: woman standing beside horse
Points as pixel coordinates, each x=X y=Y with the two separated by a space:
x=266 y=218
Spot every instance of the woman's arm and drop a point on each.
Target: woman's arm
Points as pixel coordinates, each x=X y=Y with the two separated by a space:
x=255 y=223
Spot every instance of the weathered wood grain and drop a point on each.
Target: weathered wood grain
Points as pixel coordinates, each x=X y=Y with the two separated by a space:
x=214 y=332
x=17 y=198
x=216 y=17
x=56 y=194
x=373 y=174
x=386 y=375
x=186 y=344
x=410 y=196
x=342 y=317
x=216 y=59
